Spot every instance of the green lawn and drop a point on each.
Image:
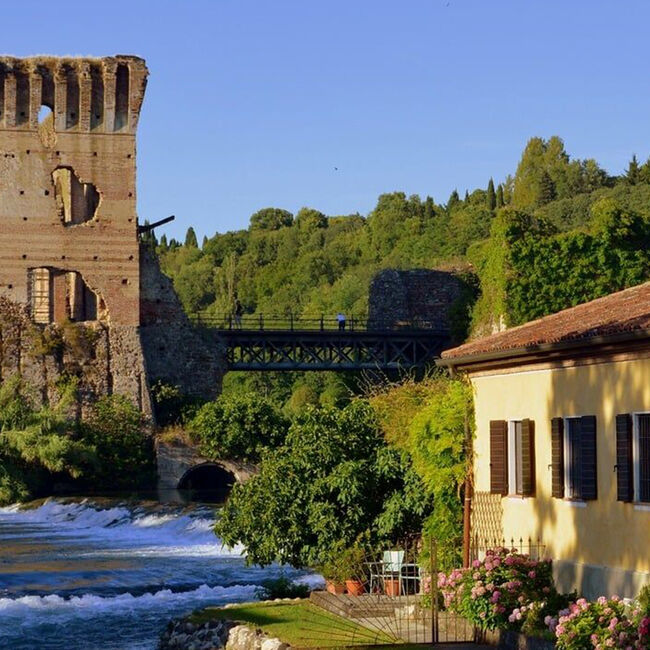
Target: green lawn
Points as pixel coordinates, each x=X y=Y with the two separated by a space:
x=298 y=623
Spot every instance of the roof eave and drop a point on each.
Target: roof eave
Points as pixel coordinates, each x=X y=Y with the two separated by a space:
x=517 y=354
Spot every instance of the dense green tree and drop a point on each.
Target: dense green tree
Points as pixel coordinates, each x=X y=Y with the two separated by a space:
x=333 y=480
x=271 y=219
x=239 y=426
x=163 y=243
x=546 y=189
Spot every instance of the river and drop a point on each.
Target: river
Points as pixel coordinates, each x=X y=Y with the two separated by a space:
x=84 y=574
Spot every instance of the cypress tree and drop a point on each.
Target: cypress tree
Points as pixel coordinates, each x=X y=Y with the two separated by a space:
x=466 y=196
x=163 y=243
x=500 y=201
x=190 y=238
x=453 y=199
x=491 y=197
x=205 y=241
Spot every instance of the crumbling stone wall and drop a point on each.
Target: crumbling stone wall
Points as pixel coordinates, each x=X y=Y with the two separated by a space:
x=176 y=352
x=423 y=297
x=43 y=355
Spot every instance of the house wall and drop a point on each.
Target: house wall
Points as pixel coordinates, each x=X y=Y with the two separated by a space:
x=601 y=546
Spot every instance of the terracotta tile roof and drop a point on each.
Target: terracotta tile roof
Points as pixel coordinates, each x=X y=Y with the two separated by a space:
x=618 y=313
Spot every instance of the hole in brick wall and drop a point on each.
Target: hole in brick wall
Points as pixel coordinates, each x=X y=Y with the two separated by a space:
x=59 y=294
x=95 y=257
x=46 y=126
x=24 y=218
x=47 y=192
x=44 y=113
x=24 y=256
x=125 y=281
x=10 y=286
x=62 y=257
x=128 y=155
x=76 y=202
x=130 y=193
x=22 y=192
x=94 y=153
x=27 y=152
x=130 y=257
x=96 y=97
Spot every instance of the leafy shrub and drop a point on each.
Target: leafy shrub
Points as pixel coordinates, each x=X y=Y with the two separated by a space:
x=123 y=449
x=495 y=593
x=239 y=427
x=281 y=587
x=171 y=405
x=606 y=623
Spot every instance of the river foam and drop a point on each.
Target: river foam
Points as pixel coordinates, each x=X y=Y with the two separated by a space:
x=183 y=530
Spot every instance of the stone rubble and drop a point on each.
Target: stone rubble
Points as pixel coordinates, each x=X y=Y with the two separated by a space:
x=181 y=633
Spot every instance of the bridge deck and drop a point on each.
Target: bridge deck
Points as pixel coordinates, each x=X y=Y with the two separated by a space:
x=391 y=349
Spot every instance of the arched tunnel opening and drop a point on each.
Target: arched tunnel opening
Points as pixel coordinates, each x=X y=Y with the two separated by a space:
x=208 y=482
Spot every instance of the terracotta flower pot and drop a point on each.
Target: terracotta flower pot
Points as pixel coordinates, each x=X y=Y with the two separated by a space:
x=334 y=587
x=391 y=587
x=354 y=587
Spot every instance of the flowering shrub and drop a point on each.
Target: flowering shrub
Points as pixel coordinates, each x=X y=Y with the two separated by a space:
x=497 y=592
x=606 y=623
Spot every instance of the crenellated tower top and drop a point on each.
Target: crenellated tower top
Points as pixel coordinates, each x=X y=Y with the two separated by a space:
x=86 y=95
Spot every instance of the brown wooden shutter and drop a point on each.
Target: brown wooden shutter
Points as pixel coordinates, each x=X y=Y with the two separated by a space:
x=588 y=475
x=499 y=457
x=624 y=471
x=527 y=458
x=557 y=457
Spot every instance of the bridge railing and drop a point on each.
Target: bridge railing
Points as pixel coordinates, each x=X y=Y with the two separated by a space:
x=292 y=322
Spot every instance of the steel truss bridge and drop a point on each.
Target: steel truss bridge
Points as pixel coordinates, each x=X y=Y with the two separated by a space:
x=288 y=343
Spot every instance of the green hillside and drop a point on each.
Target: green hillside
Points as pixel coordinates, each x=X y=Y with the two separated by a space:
x=556 y=233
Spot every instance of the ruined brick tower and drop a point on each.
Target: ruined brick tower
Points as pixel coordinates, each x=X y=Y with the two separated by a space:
x=68 y=231
x=69 y=248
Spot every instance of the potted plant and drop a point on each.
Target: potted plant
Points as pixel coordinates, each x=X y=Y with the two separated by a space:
x=352 y=563
x=334 y=576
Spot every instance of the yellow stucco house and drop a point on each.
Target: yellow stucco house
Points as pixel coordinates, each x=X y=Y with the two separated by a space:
x=562 y=446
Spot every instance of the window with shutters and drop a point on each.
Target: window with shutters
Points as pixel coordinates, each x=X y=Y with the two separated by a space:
x=573 y=458
x=641 y=457
x=521 y=458
x=512 y=457
x=572 y=466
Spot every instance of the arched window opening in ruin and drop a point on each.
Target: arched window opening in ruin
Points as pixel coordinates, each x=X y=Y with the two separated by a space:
x=72 y=99
x=208 y=482
x=121 y=97
x=96 y=97
x=56 y=295
x=76 y=202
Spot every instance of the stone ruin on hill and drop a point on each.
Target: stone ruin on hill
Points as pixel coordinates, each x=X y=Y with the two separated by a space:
x=70 y=256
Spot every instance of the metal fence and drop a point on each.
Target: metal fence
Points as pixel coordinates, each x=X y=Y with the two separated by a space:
x=305 y=322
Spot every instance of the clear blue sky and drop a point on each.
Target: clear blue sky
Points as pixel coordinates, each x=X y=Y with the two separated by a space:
x=254 y=103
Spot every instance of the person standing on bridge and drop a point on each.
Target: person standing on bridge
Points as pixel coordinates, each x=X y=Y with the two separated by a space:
x=340 y=317
x=239 y=310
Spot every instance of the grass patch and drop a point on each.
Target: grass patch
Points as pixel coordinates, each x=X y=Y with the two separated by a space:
x=299 y=623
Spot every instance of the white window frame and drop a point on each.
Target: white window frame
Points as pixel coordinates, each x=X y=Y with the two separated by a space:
x=512 y=459
x=636 y=457
x=567 y=456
